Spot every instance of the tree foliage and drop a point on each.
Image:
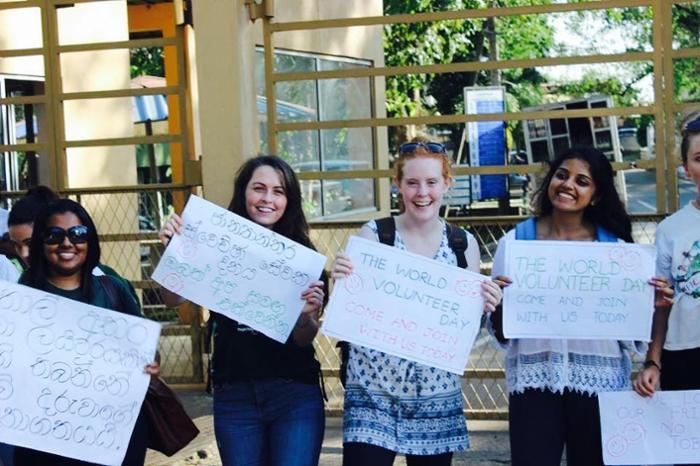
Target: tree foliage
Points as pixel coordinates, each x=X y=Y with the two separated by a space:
x=147 y=61
x=455 y=41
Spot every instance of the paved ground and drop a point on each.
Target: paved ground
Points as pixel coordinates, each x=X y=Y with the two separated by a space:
x=489 y=441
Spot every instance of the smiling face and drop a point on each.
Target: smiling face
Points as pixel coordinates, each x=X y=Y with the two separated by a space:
x=265 y=196
x=572 y=187
x=65 y=259
x=422 y=187
x=692 y=162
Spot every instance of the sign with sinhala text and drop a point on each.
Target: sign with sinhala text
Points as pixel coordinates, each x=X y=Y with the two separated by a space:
x=662 y=429
x=578 y=289
x=71 y=374
x=238 y=268
x=406 y=305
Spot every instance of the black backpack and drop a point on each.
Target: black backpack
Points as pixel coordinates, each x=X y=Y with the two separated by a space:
x=386 y=230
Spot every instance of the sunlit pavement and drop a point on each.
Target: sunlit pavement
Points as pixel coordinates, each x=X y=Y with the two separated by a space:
x=489 y=440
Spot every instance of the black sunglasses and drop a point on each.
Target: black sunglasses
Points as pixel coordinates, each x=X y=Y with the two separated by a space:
x=693 y=126
x=77 y=234
x=434 y=147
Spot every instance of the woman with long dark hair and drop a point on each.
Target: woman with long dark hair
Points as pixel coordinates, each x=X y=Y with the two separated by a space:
x=553 y=383
x=268 y=407
x=65 y=249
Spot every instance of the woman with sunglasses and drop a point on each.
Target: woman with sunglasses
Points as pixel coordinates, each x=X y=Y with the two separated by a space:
x=268 y=406
x=553 y=383
x=64 y=251
x=673 y=358
x=393 y=405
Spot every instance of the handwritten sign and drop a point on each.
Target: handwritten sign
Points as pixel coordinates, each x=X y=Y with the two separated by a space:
x=237 y=268
x=662 y=429
x=406 y=305
x=578 y=289
x=71 y=374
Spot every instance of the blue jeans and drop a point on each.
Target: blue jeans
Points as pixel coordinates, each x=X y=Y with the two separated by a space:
x=268 y=422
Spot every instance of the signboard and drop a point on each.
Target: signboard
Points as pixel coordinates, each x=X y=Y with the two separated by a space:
x=406 y=305
x=487 y=140
x=578 y=289
x=662 y=429
x=238 y=268
x=71 y=375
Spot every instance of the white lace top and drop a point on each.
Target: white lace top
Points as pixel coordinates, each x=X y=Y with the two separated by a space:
x=585 y=366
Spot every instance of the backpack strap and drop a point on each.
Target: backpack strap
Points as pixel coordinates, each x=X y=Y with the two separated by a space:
x=386 y=230
x=604 y=236
x=526 y=229
x=457 y=240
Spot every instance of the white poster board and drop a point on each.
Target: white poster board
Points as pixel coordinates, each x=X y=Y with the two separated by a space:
x=71 y=374
x=406 y=305
x=662 y=429
x=237 y=268
x=578 y=289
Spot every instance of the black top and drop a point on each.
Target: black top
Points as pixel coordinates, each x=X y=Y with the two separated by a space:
x=243 y=354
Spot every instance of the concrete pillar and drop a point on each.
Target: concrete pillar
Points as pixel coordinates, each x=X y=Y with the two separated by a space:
x=227 y=102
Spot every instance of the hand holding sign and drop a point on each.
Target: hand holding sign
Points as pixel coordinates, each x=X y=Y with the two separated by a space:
x=405 y=304
x=572 y=289
x=237 y=268
x=71 y=375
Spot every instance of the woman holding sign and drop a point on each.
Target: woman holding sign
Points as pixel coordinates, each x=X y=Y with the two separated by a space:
x=393 y=405
x=675 y=345
x=553 y=383
x=64 y=250
x=268 y=406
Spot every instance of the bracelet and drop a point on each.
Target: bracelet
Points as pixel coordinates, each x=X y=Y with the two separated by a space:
x=650 y=362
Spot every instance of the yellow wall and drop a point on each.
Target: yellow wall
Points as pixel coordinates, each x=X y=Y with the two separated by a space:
x=225 y=69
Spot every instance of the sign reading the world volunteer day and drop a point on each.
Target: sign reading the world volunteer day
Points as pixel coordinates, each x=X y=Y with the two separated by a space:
x=406 y=305
x=662 y=429
x=71 y=374
x=238 y=268
x=576 y=289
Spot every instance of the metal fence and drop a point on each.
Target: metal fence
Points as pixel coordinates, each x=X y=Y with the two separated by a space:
x=131 y=246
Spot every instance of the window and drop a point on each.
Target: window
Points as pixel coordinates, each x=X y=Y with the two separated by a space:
x=323 y=150
x=19 y=125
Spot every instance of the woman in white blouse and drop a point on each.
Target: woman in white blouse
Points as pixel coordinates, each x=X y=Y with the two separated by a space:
x=553 y=384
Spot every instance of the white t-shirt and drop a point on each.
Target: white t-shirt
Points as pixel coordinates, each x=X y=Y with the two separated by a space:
x=678 y=259
x=4 y=214
x=8 y=272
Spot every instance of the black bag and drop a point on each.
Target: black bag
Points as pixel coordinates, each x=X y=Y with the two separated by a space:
x=170 y=428
x=386 y=231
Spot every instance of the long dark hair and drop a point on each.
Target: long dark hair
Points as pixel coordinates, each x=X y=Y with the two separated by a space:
x=606 y=209
x=293 y=223
x=37 y=273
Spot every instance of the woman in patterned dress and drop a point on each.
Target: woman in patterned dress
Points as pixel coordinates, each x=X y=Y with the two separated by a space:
x=393 y=405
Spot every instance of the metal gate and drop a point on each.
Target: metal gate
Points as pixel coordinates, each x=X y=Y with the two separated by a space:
x=483 y=385
x=128 y=216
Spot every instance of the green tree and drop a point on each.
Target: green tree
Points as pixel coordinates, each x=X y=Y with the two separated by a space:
x=147 y=61
x=455 y=41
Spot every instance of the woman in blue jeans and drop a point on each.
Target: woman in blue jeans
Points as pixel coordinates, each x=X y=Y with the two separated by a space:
x=268 y=407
